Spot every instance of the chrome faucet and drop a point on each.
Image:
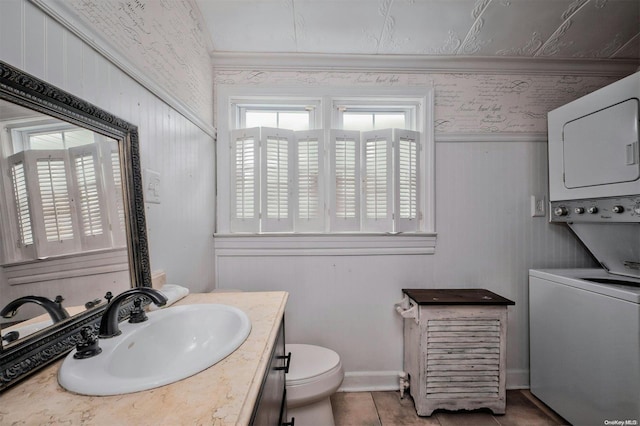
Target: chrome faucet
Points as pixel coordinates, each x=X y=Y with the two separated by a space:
x=53 y=307
x=109 y=323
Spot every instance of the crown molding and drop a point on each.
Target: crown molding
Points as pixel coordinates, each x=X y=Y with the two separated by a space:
x=422 y=63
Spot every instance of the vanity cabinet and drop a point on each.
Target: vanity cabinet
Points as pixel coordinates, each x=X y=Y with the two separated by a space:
x=271 y=406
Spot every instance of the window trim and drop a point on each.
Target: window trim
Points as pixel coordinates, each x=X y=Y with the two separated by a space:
x=334 y=244
x=228 y=97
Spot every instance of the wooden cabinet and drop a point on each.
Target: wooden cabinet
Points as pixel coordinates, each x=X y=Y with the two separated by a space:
x=455 y=349
x=271 y=407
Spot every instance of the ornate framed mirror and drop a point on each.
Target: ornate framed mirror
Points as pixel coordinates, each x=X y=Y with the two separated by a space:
x=72 y=222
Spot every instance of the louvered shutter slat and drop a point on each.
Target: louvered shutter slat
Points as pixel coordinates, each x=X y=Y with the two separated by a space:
x=21 y=199
x=407 y=176
x=309 y=177
x=90 y=198
x=55 y=199
x=277 y=179
x=345 y=181
x=245 y=184
x=378 y=175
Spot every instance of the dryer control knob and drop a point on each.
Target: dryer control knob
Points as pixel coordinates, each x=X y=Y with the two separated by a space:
x=560 y=211
x=617 y=209
x=592 y=210
x=578 y=210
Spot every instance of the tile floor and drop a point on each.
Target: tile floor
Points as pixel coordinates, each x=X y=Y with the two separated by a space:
x=387 y=409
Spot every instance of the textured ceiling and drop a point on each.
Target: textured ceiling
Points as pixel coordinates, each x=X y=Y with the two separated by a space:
x=483 y=28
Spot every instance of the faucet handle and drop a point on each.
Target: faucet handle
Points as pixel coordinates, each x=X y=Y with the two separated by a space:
x=137 y=313
x=88 y=346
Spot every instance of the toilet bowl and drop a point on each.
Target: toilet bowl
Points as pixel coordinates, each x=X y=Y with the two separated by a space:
x=315 y=373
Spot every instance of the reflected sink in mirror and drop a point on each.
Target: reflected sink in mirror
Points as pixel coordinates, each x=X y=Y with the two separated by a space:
x=24 y=330
x=173 y=344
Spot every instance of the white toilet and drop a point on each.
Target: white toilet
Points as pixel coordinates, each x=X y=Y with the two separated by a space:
x=315 y=373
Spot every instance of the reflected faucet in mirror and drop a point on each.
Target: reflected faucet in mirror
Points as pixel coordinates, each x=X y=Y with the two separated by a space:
x=53 y=307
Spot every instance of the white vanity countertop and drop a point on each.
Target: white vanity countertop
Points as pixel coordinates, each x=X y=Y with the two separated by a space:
x=223 y=394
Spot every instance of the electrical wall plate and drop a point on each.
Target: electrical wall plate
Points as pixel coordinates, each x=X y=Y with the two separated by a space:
x=537 y=206
x=151 y=186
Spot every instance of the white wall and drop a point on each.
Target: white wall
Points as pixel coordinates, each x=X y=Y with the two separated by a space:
x=486 y=235
x=180 y=227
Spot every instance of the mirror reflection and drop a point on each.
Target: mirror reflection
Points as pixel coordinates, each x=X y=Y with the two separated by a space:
x=63 y=241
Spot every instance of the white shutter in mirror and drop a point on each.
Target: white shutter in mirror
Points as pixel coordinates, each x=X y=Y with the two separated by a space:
x=377 y=180
x=52 y=208
x=407 y=178
x=22 y=229
x=309 y=177
x=344 y=202
x=245 y=185
x=277 y=179
x=90 y=197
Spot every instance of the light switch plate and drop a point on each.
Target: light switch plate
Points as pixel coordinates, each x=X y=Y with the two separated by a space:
x=151 y=186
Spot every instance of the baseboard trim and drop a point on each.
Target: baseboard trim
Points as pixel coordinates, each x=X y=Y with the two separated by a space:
x=369 y=381
x=372 y=381
x=517 y=378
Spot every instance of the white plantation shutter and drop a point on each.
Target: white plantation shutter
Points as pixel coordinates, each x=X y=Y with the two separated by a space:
x=277 y=179
x=407 y=179
x=22 y=227
x=309 y=178
x=344 y=202
x=52 y=211
x=245 y=184
x=21 y=198
x=89 y=197
x=377 y=180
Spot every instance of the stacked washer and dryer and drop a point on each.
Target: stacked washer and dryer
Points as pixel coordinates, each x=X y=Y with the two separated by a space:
x=585 y=323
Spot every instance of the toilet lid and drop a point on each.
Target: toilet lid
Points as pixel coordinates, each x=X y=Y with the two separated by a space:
x=309 y=361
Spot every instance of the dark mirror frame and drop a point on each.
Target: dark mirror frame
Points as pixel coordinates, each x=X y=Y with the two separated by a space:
x=36 y=351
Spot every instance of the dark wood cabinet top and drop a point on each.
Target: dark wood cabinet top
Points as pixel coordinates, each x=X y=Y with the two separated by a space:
x=457 y=296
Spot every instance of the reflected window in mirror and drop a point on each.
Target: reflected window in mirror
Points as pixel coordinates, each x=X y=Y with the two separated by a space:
x=62 y=188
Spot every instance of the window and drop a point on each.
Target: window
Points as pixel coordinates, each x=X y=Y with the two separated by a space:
x=326 y=165
x=63 y=193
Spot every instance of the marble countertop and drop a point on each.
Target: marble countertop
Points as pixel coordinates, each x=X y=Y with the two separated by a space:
x=223 y=394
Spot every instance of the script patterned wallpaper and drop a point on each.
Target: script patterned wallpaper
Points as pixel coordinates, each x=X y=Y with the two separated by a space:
x=164 y=40
x=464 y=103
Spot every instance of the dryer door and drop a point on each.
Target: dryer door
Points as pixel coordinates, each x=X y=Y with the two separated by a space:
x=602 y=148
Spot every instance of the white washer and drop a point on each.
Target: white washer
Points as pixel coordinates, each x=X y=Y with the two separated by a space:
x=315 y=373
x=585 y=345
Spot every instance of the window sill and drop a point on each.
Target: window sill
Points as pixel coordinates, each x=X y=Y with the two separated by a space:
x=68 y=266
x=324 y=244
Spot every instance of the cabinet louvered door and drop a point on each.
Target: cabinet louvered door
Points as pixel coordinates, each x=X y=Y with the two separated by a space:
x=456 y=357
x=463 y=358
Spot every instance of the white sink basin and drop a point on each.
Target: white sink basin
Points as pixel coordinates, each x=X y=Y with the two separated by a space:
x=174 y=343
